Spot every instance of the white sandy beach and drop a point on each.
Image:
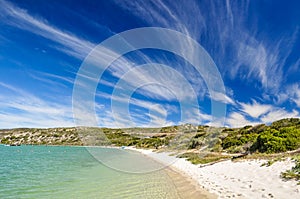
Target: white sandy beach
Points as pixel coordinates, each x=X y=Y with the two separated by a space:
x=242 y=179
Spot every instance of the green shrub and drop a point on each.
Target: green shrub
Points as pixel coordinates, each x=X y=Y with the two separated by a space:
x=270 y=144
x=196 y=158
x=194 y=143
x=240 y=137
x=5 y=141
x=231 y=141
x=281 y=140
x=288 y=122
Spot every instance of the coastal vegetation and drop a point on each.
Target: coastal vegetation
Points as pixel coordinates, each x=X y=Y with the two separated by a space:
x=293 y=173
x=32 y=136
x=203 y=158
x=280 y=136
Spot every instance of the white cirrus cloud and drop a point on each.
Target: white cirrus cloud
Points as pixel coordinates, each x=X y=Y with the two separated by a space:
x=22 y=109
x=278 y=114
x=236 y=119
x=256 y=113
x=293 y=92
x=255 y=109
x=221 y=97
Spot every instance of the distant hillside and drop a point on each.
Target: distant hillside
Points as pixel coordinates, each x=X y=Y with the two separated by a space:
x=32 y=136
x=280 y=136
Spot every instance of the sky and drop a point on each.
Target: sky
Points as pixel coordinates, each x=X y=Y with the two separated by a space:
x=254 y=44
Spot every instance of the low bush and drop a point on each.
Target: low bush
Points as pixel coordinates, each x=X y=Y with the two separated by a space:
x=293 y=173
x=200 y=158
x=274 y=141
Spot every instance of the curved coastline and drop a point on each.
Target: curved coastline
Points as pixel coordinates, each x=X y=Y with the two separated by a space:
x=186 y=186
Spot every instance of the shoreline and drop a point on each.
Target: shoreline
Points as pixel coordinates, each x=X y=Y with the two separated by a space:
x=239 y=179
x=185 y=187
x=226 y=179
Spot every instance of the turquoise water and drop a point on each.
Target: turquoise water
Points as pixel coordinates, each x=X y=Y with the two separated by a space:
x=72 y=172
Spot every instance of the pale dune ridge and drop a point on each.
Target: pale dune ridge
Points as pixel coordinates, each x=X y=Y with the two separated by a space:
x=241 y=179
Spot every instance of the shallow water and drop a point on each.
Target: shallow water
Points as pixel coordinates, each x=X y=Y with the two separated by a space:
x=72 y=172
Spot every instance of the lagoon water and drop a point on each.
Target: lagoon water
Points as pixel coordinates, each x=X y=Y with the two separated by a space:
x=72 y=172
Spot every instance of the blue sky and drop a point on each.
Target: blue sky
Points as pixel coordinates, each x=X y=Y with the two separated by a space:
x=254 y=44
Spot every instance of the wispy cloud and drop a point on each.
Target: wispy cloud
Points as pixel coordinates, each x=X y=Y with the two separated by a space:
x=263 y=60
x=293 y=94
x=293 y=68
x=251 y=57
x=68 y=42
x=221 y=97
x=172 y=15
x=156 y=114
x=167 y=14
x=236 y=119
x=289 y=94
x=256 y=56
x=22 y=109
x=278 y=114
x=78 y=47
x=256 y=113
x=51 y=80
x=255 y=110
x=119 y=113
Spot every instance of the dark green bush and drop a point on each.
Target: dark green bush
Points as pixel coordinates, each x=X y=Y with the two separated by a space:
x=5 y=141
x=288 y=122
x=194 y=143
x=231 y=141
x=274 y=141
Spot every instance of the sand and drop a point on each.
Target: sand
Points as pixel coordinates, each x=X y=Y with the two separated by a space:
x=186 y=187
x=242 y=179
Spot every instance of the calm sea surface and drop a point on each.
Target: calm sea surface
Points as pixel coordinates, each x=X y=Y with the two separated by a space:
x=72 y=172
